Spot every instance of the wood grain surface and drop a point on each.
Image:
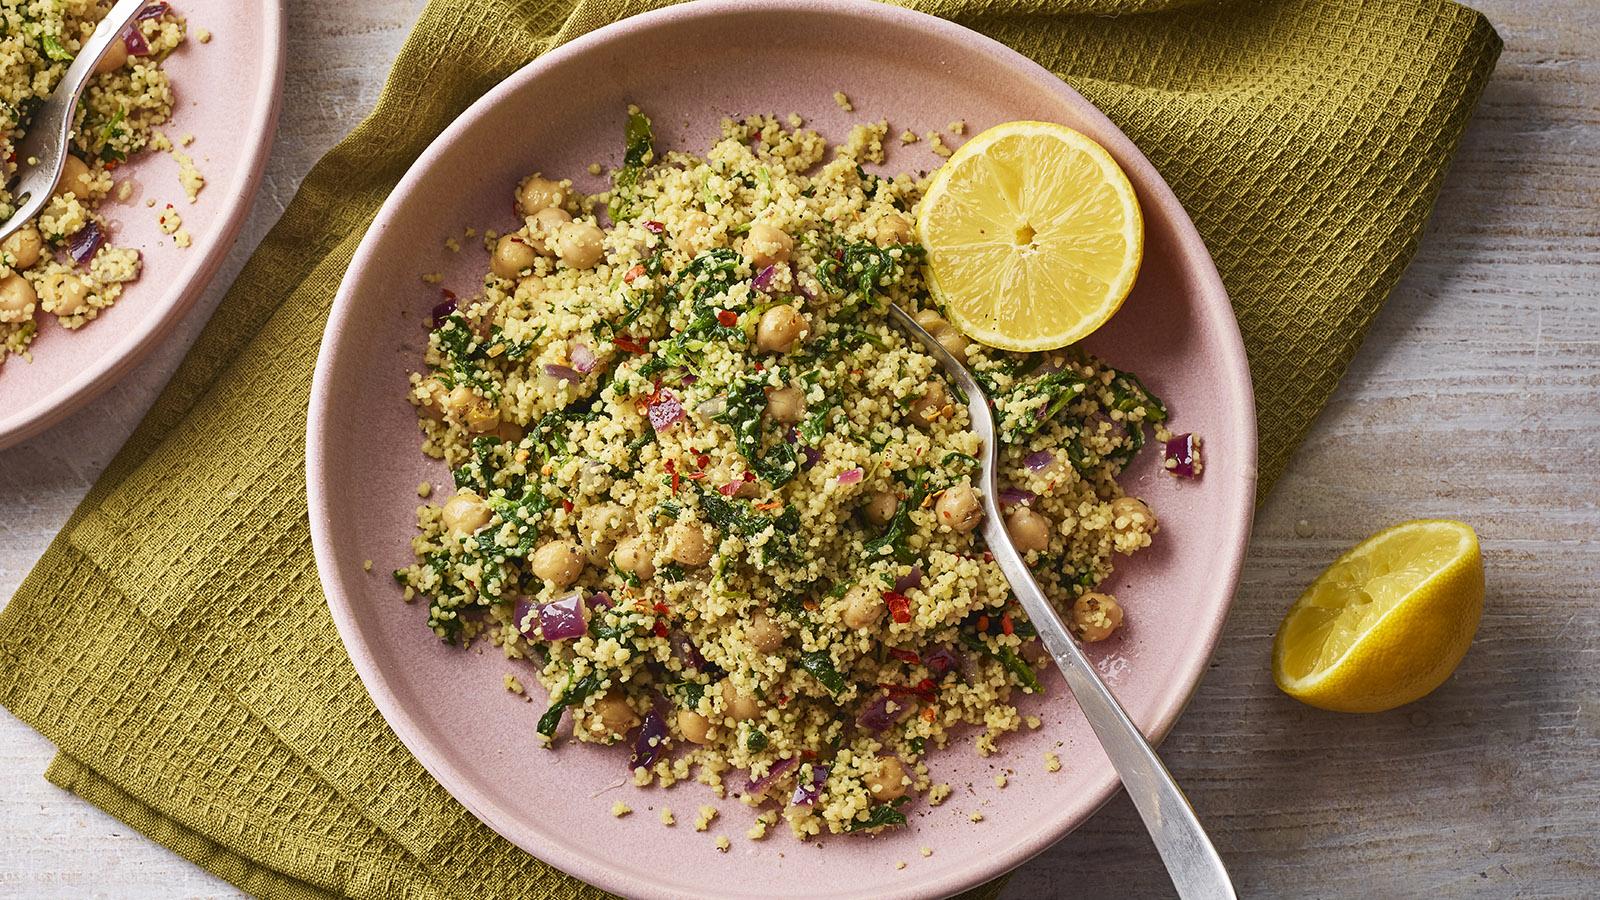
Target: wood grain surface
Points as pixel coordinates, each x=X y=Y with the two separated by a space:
x=1477 y=396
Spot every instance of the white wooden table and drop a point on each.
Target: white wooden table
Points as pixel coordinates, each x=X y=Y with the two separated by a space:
x=1477 y=396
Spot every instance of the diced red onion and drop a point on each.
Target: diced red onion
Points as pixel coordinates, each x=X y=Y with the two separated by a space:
x=812 y=455
x=731 y=488
x=876 y=717
x=712 y=408
x=563 y=373
x=851 y=476
x=912 y=579
x=1015 y=496
x=651 y=742
x=941 y=660
x=519 y=615
x=442 y=311
x=1039 y=460
x=665 y=411
x=779 y=769
x=83 y=245
x=136 y=44
x=763 y=278
x=1183 y=455
x=654 y=227
x=804 y=291
x=807 y=794
x=152 y=11
x=688 y=379
x=563 y=618
x=688 y=654
x=599 y=600
x=583 y=358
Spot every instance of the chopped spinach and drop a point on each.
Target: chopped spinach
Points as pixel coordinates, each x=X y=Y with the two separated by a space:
x=880 y=816
x=574 y=695
x=820 y=665
x=638 y=151
x=755 y=740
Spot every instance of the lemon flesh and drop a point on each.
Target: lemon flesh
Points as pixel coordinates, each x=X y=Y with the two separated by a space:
x=1033 y=236
x=1387 y=622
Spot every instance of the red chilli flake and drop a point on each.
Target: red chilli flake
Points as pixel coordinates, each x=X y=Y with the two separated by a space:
x=1005 y=624
x=631 y=345
x=906 y=656
x=727 y=318
x=566 y=505
x=660 y=629
x=633 y=273
x=983 y=623
x=672 y=468
x=899 y=606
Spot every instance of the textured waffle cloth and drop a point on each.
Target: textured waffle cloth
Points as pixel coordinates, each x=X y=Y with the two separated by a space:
x=174 y=642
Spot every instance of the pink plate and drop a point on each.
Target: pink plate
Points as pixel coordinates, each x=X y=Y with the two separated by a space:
x=227 y=97
x=689 y=66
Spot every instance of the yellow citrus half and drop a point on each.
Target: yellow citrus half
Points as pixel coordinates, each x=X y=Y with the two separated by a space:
x=1033 y=235
x=1387 y=622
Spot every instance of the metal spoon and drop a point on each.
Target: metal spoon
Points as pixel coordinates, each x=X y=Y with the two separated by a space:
x=42 y=152
x=1191 y=860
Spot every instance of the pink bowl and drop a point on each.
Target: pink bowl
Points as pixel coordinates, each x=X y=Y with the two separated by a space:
x=227 y=97
x=689 y=66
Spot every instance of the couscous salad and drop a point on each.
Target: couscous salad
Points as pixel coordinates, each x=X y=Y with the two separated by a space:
x=65 y=263
x=726 y=510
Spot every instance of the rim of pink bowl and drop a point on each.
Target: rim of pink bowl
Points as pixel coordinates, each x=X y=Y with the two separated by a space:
x=585 y=866
x=192 y=281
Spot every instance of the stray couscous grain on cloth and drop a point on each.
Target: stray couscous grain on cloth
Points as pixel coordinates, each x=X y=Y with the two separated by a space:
x=724 y=508
x=63 y=263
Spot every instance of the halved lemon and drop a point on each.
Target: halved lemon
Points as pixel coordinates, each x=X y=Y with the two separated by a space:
x=1387 y=622
x=1033 y=235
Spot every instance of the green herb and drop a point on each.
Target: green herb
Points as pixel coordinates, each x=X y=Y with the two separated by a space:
x=638 y=151
x=755 y=740
x=1016 y=666
x=918 y=744
x=746 y=401
x=574 y=695
x=54 y=49
x=779 y=464
x=881 y=816
x=900 y=527
x=820 y=665
x=109 y=132
x=861 y=270
x=670 y=573
x=691 y=693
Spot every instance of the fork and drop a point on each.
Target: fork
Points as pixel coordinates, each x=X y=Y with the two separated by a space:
x=42 y=152
x=1192 y=862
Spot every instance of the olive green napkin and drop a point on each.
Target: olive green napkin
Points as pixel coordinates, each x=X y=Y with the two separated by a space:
x=174 y=641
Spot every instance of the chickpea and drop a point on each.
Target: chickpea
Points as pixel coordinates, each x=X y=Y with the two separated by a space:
x=437 y=394
x=693 y=725
x=510 y=432
x=880 y=507
x=513 y=255
x=22 y=249
x=863 y=607
x=933 y=402
x=930 y=320
x=763 y=632
x=780 y=327
x=694 y=234
x=786 y=404
x=116 y=57
x=477 y=414
x=545 y=224
x=558 y=562
x=634 y=556
x=959 y=508
x=889 y=782
x=1095 y=616
x=596 y=525
x=74 y=179
x=1028 y=530
x=579 y=244
x=68 y=294
x=612 y=715
x=687 y=543
x=739 y=706
x=465 y=513
x=952 y=340
x=17 y=298
x=1130 y=514
x=894 y=228
x=536 y=193
x=766 y=245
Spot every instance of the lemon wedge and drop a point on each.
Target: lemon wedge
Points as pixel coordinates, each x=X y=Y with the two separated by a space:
x=1033 y=236
x=1387 y=622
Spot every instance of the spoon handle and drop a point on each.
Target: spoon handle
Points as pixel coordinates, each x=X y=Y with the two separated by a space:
x=1192 y=862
